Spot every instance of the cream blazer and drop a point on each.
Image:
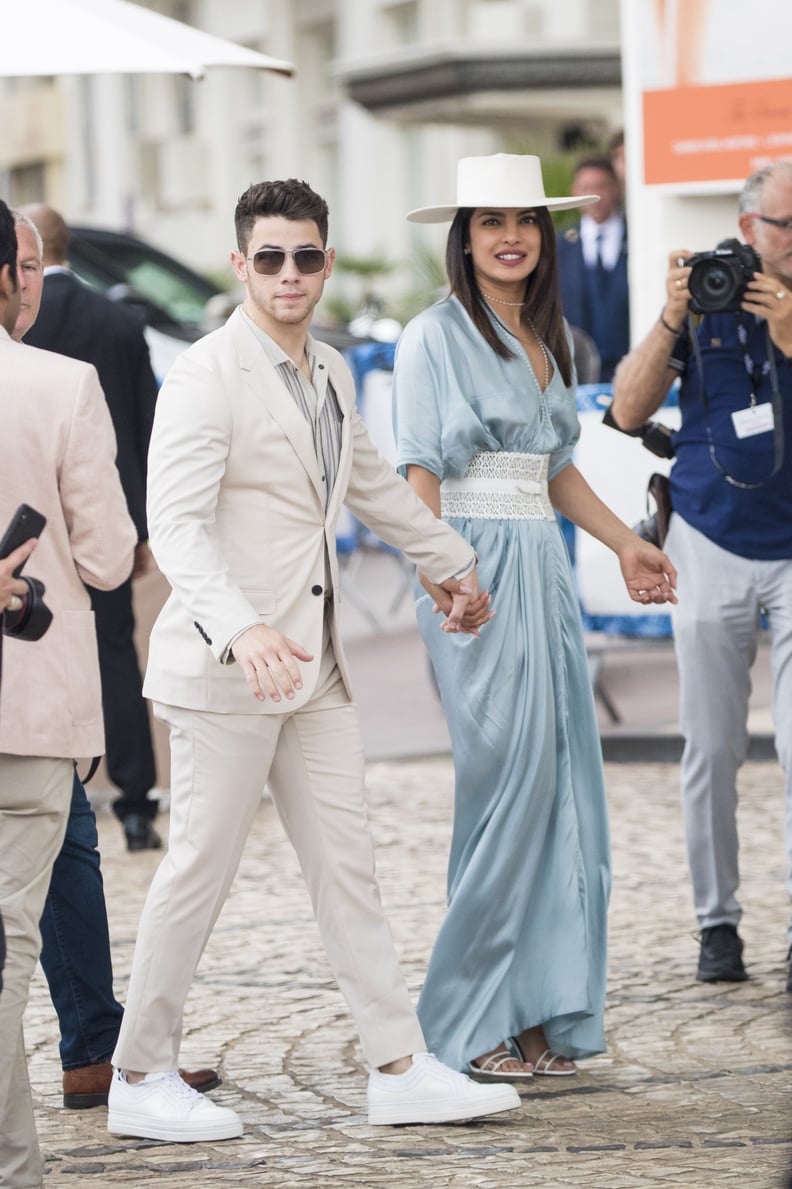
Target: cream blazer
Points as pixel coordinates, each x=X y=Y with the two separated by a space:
x=237 y=521
x=58 y=447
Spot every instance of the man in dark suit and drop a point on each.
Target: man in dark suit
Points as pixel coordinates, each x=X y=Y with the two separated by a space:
x=592 y=263
x=76 y=321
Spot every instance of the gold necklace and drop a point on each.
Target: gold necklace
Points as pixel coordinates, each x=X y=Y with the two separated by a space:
x=500 y=300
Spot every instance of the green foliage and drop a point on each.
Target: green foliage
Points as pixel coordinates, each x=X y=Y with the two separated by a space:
x=344 y=300
x=364 y=266
x=429 y=283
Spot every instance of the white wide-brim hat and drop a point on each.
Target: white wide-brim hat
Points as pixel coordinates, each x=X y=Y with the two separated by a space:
x=500 y=181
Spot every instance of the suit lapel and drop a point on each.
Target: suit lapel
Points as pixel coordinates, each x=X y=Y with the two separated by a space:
x=267 y=386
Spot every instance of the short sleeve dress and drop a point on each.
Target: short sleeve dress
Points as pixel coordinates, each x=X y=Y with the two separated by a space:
x=524 y=938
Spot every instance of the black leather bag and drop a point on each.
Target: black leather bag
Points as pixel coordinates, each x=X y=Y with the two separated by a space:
x=655 y=527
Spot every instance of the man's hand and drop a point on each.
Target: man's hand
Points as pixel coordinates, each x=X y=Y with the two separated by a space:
x=12 y=590
x=677 y=292
x=647 y=572
x=771 y=300
x=268 y=661
x=466 y=609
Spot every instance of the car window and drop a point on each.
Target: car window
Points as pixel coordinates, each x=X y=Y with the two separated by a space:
x=182 y=299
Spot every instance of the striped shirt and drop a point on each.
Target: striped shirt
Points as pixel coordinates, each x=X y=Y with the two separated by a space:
x=316 y=400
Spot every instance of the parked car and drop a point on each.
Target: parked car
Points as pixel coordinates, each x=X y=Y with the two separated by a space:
x=172 y=297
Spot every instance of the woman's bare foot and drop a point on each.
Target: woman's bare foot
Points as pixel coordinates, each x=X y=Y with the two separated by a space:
x=538 y=1055
x=499 y=1065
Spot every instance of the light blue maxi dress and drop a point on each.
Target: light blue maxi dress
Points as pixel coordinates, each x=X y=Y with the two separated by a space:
x=524 y=938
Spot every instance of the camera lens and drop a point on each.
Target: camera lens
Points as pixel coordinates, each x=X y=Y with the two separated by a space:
x=715 y=282
x=715 y=285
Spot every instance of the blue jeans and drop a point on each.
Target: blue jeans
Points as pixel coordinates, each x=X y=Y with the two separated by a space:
x=75 y=953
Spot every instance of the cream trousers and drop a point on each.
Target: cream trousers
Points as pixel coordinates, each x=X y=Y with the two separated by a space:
x=312 y=761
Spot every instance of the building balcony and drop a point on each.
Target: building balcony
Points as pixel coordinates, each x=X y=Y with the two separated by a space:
x=467 y=85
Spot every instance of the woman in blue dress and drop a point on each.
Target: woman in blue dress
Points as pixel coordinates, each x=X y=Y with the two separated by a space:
x=486 y=421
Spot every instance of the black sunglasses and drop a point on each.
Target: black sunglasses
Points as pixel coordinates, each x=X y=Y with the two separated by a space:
x=269 y=261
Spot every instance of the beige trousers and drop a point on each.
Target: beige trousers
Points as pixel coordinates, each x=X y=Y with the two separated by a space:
x=313 y=762
x=35 y=795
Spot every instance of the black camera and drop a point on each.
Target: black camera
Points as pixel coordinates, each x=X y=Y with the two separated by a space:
x=33 y=618
x=655 y=436
x=718 y=279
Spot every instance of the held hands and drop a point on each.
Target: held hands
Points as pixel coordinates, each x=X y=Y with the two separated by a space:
x=647 y=572
x=465 y=607
x=269 y=662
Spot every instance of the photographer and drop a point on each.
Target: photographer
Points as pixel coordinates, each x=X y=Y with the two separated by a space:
x=58 y=452
x=730 y=534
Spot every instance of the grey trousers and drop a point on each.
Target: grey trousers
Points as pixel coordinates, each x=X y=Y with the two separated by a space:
x=716 y=630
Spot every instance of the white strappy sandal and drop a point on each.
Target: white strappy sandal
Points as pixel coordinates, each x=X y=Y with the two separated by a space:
x=491 y=1068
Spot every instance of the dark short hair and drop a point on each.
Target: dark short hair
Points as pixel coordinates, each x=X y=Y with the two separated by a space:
x=8 y=241
x=290 y=199
x=597 y=161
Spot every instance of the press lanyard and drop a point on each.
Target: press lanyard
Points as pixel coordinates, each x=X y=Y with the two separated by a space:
x=767 y=368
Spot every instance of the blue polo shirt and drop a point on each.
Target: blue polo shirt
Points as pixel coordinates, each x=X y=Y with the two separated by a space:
x=754 y=523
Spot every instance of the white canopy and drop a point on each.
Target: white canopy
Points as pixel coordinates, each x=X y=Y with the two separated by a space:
x=43 y=37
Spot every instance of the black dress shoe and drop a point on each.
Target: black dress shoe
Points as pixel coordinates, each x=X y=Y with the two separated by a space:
x=720 y=957
x=140 y=833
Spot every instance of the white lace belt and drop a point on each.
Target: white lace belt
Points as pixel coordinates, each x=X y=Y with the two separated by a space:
x=499 y=485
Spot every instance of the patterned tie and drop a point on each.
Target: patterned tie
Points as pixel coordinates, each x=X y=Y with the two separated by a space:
x=600 y=266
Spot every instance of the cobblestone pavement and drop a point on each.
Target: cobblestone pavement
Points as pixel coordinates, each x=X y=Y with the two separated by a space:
x=694 y=1089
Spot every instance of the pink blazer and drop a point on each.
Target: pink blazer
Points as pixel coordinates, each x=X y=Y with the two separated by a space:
x=57 y=452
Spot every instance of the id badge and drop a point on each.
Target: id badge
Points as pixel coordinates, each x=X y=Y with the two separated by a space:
x=755 y=419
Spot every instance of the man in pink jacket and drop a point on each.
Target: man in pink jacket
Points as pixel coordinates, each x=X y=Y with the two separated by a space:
x=58 y=456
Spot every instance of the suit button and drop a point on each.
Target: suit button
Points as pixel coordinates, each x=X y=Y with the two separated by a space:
x=316 y=590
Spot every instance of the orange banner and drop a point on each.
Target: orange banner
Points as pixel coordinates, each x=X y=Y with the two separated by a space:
x=715 y=133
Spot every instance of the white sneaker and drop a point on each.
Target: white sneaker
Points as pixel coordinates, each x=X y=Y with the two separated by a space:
x=430 y=1092
x=163 y=1106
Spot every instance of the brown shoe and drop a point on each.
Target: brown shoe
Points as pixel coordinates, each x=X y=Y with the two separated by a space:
x=89 y=1085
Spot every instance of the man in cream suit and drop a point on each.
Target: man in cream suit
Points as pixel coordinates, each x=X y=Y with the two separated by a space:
x=256 y=445
x=58 y=455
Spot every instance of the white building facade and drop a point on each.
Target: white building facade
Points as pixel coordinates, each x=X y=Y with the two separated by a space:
x=387 y=95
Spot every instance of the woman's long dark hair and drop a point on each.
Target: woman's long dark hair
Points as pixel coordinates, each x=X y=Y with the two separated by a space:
x=542 y=290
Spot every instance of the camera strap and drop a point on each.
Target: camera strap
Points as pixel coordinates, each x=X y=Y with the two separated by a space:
x=775 y=398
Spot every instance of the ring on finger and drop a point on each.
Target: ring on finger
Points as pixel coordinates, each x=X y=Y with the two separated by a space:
x=781 y=294
x=14 y=603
